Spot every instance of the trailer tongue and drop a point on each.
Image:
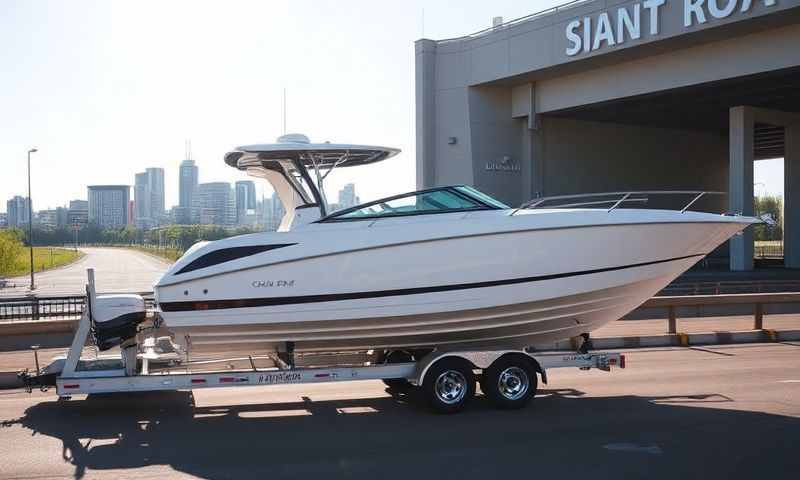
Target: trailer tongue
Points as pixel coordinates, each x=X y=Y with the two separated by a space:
x=508 y=377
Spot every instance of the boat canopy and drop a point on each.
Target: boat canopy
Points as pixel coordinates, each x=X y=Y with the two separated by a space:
x=286 y=164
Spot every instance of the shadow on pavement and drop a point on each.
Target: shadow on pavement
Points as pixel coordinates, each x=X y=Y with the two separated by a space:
x=562 y=433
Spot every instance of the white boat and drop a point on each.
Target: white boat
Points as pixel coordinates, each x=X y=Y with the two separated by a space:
x=446 y=267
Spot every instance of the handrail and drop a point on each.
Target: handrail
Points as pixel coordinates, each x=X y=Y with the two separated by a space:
x=619 y=198
x=504 y=25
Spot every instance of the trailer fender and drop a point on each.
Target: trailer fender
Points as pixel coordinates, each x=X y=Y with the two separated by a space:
x=479 y=360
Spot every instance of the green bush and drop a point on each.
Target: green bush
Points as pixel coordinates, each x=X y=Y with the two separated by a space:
x=10 y=250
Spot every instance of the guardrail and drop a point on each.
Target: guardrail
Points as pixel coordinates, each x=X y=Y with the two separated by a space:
x=49 y=308
x=758 y=300
x=731 y=287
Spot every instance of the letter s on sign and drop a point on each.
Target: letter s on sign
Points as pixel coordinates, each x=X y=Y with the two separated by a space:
x=573 y=38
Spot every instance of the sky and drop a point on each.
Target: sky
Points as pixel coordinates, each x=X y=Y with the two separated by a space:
x=105 y=89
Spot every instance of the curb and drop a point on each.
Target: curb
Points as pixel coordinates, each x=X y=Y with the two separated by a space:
x=10 y=380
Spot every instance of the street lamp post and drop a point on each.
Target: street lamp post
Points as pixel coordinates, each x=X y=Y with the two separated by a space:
x=30 y=215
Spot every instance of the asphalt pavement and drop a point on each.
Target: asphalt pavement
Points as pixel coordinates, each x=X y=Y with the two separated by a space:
x=713 y=412
x=116 y=270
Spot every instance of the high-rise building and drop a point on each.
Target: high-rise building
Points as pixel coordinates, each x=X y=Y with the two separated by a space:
x=156 y=179
x=347 y=196
x=245 y=200
x=130 y=213
x=3 y=220
x=216 y=203
x=273 y=212
x=141 y=201
x=188 y=181
x=148 y=194
x=187 y=193
x=108 y=205
x=18 y=212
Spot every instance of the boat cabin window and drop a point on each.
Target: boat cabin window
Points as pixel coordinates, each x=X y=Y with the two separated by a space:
x=440 y=200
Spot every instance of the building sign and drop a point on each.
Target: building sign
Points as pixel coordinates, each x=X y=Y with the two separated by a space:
x=616 y=27
x=506 y=164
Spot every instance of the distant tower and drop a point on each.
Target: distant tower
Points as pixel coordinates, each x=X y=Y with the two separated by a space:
x=188 y=179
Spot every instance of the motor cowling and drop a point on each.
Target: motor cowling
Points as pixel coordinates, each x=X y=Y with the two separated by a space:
x=115 y=319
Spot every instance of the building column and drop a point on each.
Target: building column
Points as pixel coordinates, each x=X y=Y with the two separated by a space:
x=425 y=79
x=740 y=183
x=791 y=197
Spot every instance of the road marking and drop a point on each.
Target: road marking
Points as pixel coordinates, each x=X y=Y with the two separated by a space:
x=788 y=381
x=632 y=447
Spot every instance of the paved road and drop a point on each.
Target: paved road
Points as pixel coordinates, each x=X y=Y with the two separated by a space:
x=116 y=270
x=717 y=412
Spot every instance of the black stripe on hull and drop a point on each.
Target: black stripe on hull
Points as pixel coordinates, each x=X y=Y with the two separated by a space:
x=335 y=297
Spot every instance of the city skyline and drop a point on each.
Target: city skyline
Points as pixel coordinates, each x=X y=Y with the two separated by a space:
x=209 y=203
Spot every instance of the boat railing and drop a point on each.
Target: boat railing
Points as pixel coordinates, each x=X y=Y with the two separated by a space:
x=613 y=199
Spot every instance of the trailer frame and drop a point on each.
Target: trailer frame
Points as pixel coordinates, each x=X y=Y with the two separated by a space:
x=130 y=370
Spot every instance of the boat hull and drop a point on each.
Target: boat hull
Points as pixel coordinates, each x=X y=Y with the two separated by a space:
x=502 y=289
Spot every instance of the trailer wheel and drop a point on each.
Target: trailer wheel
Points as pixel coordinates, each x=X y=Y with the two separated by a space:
x=510 y=382
x=449 y=384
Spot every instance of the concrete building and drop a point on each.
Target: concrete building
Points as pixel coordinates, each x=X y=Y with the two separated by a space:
x=245 y=202
x=18 y=212
x=52 y=218
x=216 y=204
x=148 y=197
x=141 y=201
x=614 y=96
x=3 y=219
x=108 y=205
x=272 y=212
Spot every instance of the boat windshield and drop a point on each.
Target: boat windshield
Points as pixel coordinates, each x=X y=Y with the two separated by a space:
x=437 y=200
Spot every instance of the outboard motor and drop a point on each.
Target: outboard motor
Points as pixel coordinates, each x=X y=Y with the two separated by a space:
x=116 y=318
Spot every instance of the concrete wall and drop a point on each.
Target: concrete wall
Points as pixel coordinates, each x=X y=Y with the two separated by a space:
x=581 y=156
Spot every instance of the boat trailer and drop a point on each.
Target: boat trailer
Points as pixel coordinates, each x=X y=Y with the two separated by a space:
x=448 y=378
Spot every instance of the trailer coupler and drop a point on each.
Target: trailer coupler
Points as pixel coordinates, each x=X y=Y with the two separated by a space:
x=31 y=381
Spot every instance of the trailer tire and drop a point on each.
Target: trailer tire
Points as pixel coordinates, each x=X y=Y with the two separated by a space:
x=510 y=382
x=449 y=384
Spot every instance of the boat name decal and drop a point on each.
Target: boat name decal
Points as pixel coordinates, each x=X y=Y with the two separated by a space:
x=272 y=283
x=282 y=377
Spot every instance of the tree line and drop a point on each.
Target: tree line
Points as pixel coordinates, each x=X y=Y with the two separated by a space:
x=174 y=236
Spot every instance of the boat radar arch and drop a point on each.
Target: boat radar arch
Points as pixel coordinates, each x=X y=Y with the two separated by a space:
x=287 y=165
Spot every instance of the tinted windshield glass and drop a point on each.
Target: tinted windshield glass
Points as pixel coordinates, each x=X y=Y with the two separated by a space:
x=435 y=201
x=482 y=197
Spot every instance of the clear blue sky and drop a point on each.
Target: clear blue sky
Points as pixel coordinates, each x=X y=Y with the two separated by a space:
x=105 y=89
